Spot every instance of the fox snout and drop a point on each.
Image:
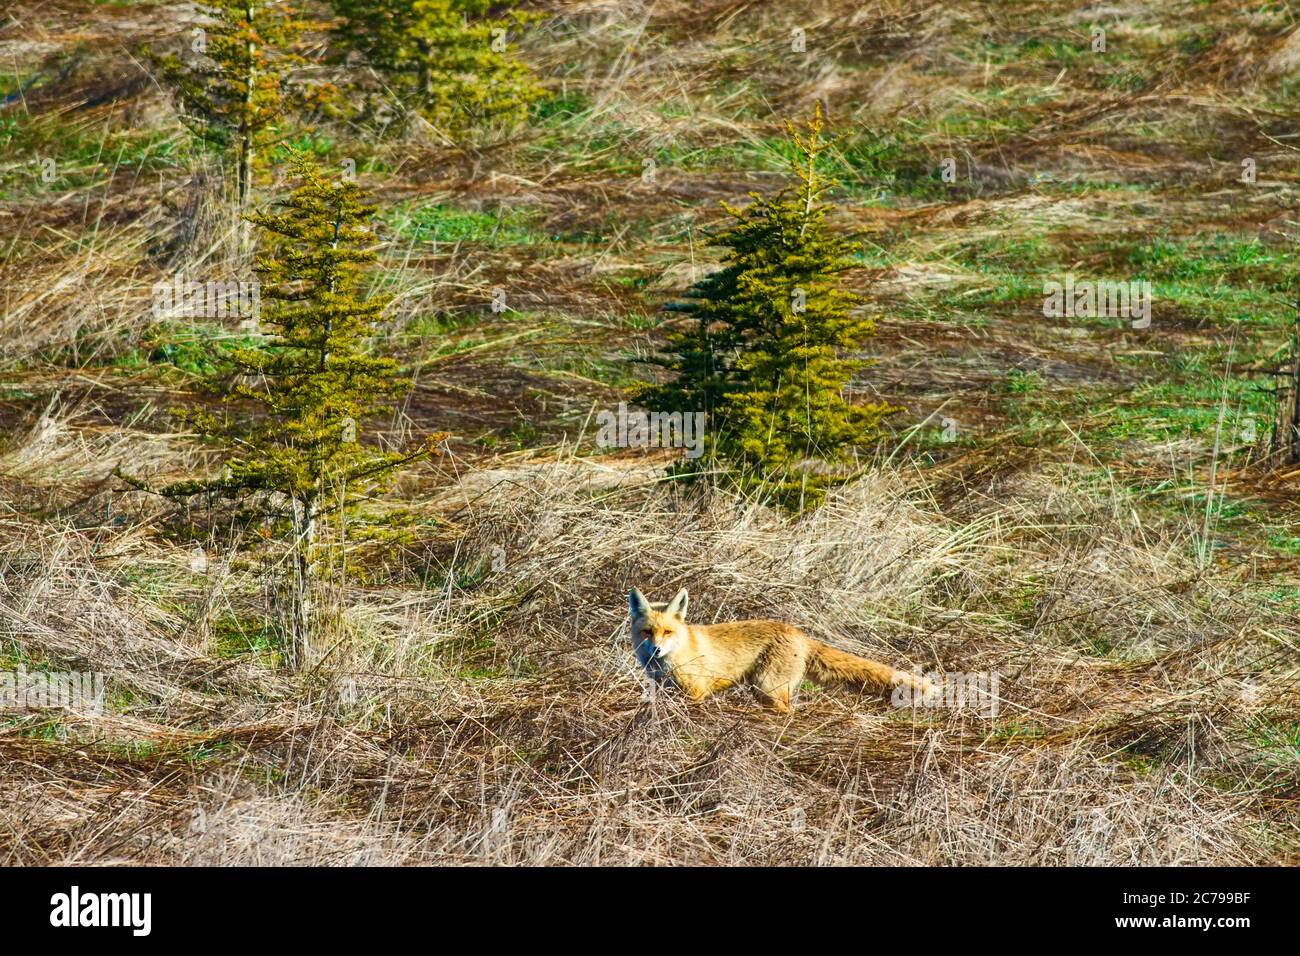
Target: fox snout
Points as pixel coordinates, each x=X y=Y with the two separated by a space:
x=663 y=646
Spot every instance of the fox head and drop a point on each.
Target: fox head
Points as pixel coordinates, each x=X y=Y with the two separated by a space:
x=657 y=629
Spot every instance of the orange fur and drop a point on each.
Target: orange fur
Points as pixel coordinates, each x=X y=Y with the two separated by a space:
x=771 y=656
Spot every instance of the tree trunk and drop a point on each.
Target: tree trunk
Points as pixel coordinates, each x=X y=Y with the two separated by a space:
x=426 y=73
x=301 y=609
x=244 y=175
x=1286 y=427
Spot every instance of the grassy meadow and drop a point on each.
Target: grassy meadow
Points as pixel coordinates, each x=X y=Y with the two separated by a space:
x=1081 y=505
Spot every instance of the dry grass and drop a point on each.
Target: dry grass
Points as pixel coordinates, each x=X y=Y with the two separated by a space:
x=502 y=719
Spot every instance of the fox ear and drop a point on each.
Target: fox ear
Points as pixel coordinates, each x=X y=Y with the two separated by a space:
x=637 y=603
x=677 y=606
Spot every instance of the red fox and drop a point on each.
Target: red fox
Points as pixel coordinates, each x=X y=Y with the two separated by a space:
x=772 y=656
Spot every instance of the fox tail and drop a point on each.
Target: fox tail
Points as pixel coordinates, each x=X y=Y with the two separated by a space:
x=830 y=665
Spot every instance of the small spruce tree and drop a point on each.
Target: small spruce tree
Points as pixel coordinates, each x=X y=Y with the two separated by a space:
x=304 y=393
x=449 y=55
x=235 y=91
x=767 y=353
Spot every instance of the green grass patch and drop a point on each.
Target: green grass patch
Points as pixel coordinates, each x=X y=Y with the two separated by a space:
x=196 y=349
x=1275 y=743
x=450 y=224
x=51 y=153
x=255 y=637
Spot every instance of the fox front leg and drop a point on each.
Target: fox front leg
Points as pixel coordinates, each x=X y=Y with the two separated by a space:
x=691 y=684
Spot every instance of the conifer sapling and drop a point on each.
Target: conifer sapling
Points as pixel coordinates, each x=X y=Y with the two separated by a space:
x=305 y=392
x=768 y=355
x=237 y=86
x=450 y=56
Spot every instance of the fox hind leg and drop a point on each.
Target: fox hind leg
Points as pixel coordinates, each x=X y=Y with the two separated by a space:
x=778 y=699
x=778 y=676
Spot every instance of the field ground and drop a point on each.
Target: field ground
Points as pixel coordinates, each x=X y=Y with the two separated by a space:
x=1074 y=503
